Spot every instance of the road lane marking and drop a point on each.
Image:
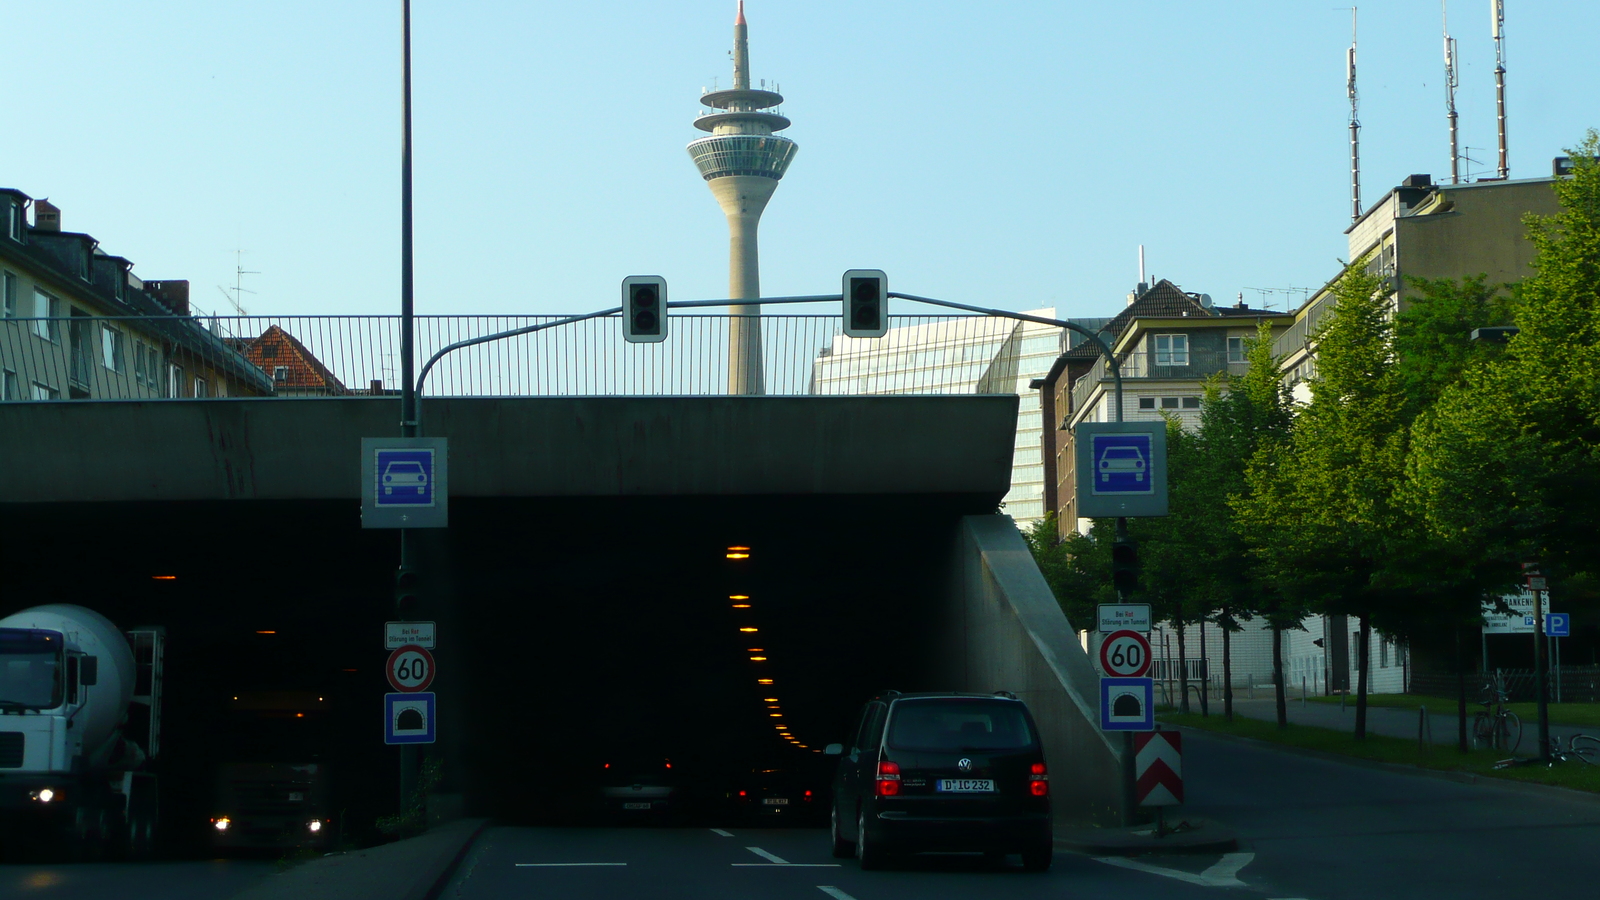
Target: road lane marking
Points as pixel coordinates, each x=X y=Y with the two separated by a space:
x=721 y=832
x=787 y=865
x=767 y=856
x=834 y=892
x=547 y=865
x=1222 y=874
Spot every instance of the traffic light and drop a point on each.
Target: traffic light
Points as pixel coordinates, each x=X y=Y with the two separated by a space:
x=866 y=303
x=406 y=593
x=644 y=309
x=1125 y=568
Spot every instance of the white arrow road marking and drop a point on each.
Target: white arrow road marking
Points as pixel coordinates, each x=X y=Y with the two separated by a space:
x=767 y=856
x=546 y=865
x=1222 y=874
x=834 y=892
x=721 y=832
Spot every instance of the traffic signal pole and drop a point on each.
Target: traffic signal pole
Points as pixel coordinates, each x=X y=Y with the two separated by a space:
x=409 y=419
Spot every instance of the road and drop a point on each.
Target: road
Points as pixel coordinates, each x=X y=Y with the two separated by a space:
x=203 y=880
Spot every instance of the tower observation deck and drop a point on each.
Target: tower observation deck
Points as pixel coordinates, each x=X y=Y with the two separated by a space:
x=742 y=160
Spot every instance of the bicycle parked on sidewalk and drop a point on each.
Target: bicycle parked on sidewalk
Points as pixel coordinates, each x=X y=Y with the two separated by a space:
x=1495 y=726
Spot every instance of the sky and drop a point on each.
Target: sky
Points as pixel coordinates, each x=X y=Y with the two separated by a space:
x=1007 y=154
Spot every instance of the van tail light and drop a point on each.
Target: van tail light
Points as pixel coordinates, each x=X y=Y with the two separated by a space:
x=1038 y=780
x=888 y=778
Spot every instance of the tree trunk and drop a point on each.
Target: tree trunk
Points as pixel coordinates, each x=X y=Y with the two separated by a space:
x=1227 y=674
x=1277 y=676
x=1183 y=670
x=1205 y=673
x=1363 y=651
x=1461 y=698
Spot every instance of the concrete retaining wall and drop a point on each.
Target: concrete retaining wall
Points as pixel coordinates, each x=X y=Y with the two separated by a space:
x=1016 y=638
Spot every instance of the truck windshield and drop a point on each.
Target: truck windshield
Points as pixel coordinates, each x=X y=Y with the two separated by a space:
x=30 y=668
x=959 y=724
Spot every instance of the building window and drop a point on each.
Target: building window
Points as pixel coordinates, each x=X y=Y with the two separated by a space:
x=269 y=351
x=1169 y=402
x=13 y=220
x=111 y=348
x=1236 y=350
x=1383 y=654
x=280 y=374
x=45 y=392
x=200 y=388
x=175 y=383
x=1172 y=349
x=8 y=295
x=47 y=317
x=1191 y=402
x=1147 y=403
x=9 y=389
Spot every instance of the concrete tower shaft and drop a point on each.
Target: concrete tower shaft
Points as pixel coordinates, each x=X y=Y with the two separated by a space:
x=743 y=159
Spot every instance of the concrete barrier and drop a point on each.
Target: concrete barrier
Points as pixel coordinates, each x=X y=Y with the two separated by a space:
x=1014 y=637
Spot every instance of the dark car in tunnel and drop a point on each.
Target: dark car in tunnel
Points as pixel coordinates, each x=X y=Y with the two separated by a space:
x=942 y=772
x=635 y=785
x=792 y=791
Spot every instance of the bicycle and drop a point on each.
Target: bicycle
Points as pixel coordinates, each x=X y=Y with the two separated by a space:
x=1500 y=729
x=1583 y=747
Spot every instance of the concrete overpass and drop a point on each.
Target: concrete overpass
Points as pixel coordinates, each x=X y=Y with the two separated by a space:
x=582 y=590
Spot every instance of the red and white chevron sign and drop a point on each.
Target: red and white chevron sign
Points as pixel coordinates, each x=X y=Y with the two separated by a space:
x=1158 y=768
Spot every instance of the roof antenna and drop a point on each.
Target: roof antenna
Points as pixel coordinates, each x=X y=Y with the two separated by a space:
x=1497 y=28
x=1355 y=122
x=1451 y=81
x=236 y=293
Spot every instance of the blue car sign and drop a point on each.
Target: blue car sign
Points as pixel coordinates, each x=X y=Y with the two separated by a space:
x=1122 y=463
x=405 y=477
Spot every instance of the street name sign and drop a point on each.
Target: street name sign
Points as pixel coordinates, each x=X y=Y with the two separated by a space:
x=399 y=634
x=1121 y=469
x=410 y=669
x=405 y=483
x=1125 y=654
x=1127 y=704
x=1158 y=768
x=1117 y=616
x=408 y=718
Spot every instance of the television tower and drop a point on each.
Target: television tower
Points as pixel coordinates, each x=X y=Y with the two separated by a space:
x=743 y=160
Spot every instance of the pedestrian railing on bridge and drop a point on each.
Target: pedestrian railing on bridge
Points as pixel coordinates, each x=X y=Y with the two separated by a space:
x=150 y=357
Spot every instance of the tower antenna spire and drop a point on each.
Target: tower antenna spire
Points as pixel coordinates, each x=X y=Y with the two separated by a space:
x=1451 y=81
x=1497 y=9
x=1355 y=122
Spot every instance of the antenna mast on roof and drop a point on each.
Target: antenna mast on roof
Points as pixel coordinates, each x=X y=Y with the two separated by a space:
x=1497 y=9
x=1451 y=82
x=236 y=294
x=1355 y=122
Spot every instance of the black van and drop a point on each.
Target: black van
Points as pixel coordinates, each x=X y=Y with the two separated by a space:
x=942 y=772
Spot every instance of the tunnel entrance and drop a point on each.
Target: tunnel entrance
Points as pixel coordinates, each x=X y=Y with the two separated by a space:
x=571 y=631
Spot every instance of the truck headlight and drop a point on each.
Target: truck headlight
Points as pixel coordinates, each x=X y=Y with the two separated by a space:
x=315 y=825
x=222 y=823
x=44 y=795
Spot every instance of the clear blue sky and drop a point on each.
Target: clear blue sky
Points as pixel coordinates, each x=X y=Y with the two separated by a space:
x=1013 y=154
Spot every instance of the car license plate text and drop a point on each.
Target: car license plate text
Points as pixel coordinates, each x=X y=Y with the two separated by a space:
x=635 y=806
x=776 y=801
x=966 y=785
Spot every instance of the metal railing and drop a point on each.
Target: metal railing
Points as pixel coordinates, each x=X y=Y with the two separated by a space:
x=1195 y=364
x=149 y=357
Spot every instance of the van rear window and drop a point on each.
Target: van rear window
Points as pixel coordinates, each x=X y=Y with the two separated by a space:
x=959 y=725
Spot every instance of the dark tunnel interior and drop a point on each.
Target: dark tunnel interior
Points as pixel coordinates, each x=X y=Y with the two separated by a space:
x=571 y=632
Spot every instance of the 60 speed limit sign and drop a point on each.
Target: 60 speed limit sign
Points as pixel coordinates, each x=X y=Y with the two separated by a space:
x=1125 y=654
x=410 y=669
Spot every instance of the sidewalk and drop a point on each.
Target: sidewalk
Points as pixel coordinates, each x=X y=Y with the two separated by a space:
x=1400 y=723
x=413 y=869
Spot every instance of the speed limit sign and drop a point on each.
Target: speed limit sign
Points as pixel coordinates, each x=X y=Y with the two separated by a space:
x=410 y=669
x=1125 y=654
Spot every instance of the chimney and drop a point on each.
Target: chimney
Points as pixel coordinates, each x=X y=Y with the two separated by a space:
x=46 y=216
x=174 y=295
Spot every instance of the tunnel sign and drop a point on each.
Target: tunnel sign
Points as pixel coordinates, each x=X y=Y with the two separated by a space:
x=408 y=718
x=404 y=483
x=1127 y=704
x=1125 y=654
x=1121 y=469
x=410 y=669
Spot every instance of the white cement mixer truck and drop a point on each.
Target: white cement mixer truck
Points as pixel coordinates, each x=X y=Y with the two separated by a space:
x=80 y=725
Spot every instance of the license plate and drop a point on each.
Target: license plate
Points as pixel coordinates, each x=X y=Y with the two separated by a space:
x=776 y=801
x=296 y=797
x=635 y=806
x=966 y=785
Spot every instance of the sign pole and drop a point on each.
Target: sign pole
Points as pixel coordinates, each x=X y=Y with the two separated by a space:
x=1540 y=678
x=408 y=389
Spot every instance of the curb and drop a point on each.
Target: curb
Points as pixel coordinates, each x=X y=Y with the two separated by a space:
x=443 y=880
x=1459 y=777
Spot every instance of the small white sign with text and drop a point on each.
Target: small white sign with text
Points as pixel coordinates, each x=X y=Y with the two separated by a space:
x=1120 y=616
x=400 y=634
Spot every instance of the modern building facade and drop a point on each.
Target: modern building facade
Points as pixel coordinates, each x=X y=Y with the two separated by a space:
x=742 y=160
x=76 y=323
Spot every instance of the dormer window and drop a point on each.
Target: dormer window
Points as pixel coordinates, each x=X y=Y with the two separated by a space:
x=13 y=223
